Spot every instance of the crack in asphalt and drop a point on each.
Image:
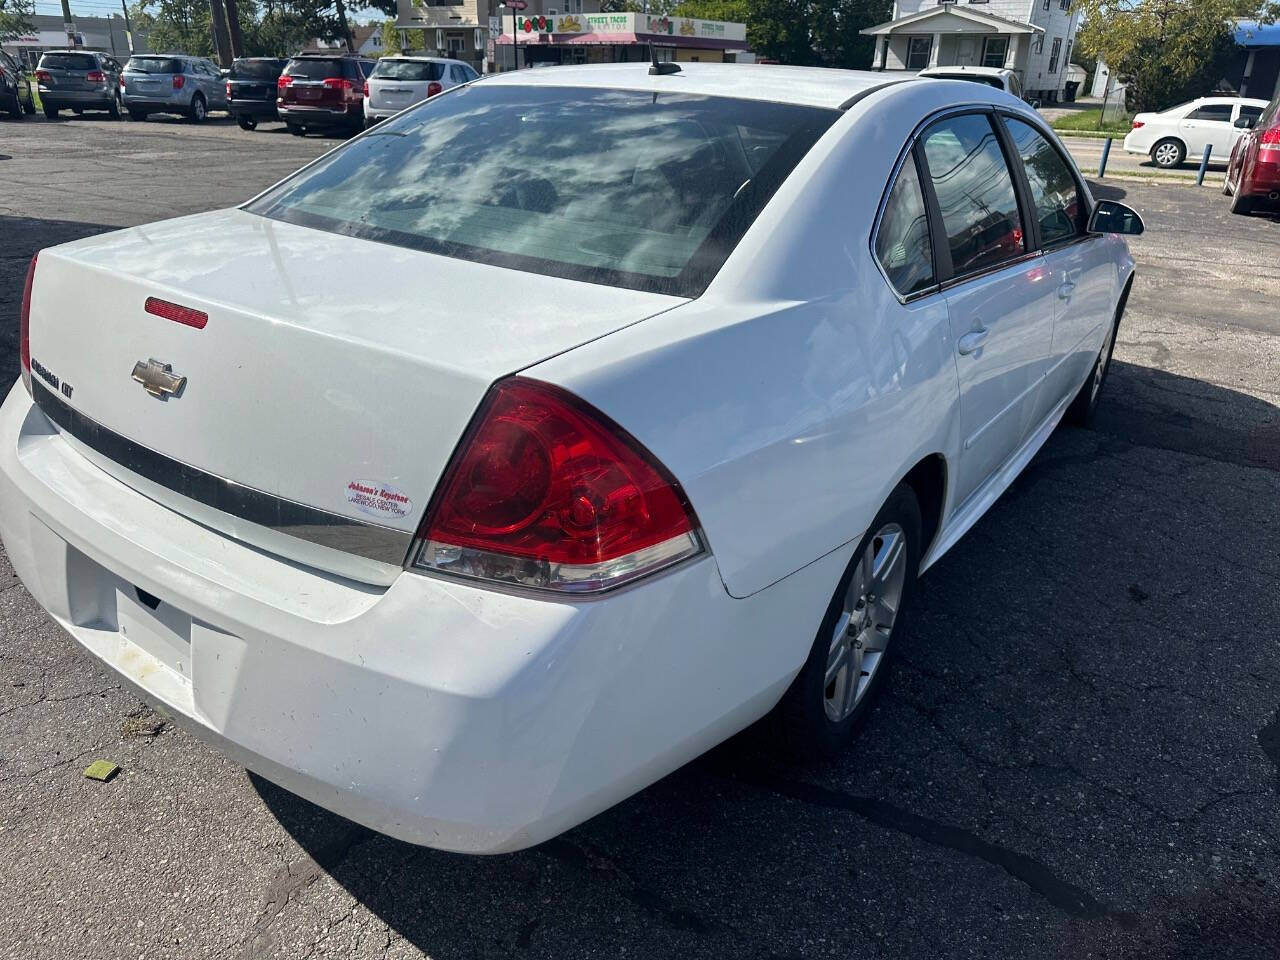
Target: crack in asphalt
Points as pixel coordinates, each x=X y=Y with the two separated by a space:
x=1037 y=876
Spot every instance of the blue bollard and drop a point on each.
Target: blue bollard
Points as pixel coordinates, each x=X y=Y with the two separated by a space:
x=1204 y=164
x=1102 y=164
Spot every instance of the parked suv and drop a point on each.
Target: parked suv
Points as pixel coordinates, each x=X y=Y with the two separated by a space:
x=172 y=83
x=78 y=80
x=322 y=90
x=15 y=89
x=1253 y=174
x=399 y=82
x=251 y=89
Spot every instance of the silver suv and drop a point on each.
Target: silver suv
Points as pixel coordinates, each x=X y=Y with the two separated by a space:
x=172 y=83
x=78 y=80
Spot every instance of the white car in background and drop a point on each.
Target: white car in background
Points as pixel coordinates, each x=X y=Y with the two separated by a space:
x=671 y=388
x=998 y=77
x=1171 y=136
x=400 y=82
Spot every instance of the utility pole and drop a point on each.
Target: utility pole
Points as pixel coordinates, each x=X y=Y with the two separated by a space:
x=221 y=42
x=233 y=28
x=128 y=27
x=68 y=25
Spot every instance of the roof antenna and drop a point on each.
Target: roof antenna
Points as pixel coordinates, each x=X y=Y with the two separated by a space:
x=663 y=68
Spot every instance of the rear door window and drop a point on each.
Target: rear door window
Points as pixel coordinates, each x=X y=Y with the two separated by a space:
x=975 y=192
x=902 y=239
x=650 y=191
x=1054 y=188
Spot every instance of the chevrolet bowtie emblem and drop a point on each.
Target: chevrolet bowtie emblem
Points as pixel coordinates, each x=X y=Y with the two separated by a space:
x=157 y=378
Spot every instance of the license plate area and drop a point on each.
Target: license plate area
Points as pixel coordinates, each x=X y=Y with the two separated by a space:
x=161 y=630
x=308 y=93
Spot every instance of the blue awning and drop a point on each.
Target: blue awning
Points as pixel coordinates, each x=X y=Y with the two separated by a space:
x=1250 y=33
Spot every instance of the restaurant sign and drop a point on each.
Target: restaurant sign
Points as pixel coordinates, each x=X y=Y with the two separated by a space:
x=633 y=23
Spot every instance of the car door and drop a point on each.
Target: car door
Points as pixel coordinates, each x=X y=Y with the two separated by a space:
x=1080 y=264
x=1208 y=124
x=999 y=292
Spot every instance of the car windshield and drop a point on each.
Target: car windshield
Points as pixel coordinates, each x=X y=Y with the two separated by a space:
x=153 y=65
x=256 y=69
x=407 y=70
x=68 y=61
x=650 y=191
x=314 y=68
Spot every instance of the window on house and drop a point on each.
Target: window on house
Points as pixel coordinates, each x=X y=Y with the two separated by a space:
x=1064 y=4
x=1037 y=45
x=918 y=51
x=994 y=51
x=1054 y=52
x=1048 y=4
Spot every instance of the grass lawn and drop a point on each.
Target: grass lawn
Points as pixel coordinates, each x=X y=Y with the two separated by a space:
x=35 y=94
x=1090 y=122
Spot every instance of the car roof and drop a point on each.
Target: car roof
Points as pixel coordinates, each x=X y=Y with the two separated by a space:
x=418 y=59
x=1225 y=99
x=808 y=86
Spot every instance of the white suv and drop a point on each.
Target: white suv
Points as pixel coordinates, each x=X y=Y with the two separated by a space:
x=399 y=82
x=1184 y=131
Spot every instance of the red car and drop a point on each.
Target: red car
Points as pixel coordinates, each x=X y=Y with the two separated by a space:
x=1253 y=173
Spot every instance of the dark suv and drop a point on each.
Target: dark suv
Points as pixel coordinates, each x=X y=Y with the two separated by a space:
x=80 y=80
x=251 y=89
x=15 y=90
x=322 y=91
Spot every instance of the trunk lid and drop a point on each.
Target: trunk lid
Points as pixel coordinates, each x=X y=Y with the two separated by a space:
x=329 y=366
x=396 y=94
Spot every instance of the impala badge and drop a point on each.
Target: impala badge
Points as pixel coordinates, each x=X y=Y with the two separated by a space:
x=157 y=378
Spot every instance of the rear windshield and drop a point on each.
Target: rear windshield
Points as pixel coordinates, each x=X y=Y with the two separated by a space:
x=256 y=69
x=68 y=61
x=407 y=70
x=640 y=190
x=314 y=69
x=153 y=65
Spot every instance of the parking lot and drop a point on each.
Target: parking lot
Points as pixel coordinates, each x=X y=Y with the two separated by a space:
x=1078 y=755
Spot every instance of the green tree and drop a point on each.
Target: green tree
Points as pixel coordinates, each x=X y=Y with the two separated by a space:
x=15 y=19
x=804 y=32
x=1166 y=51
x=175 y=25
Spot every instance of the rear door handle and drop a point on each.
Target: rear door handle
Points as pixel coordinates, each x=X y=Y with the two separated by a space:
x=972 y=341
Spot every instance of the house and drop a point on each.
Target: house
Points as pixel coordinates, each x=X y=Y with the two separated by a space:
x=1255 y=71
x=1034 y=38
x=367 y=38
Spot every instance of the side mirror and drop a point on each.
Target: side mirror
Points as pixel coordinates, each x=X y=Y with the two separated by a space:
x=1246 y=123
x=1111 y=217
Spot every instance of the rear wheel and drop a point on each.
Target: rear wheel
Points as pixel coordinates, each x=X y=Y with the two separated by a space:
x=198 y=110
x=1085 y=404
x=114 y=107
x=296 y=129
x=1240 y=203
x=51 y=113
x=29 y=107
x=1168 y=154
x=136 y=114
x=15 y=108
x=246 y=123
x=830 y=698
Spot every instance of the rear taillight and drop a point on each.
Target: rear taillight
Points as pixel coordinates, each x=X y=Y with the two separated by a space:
x=122 y=81
x=96 y=76
x=547 y=492
x=433 y=88
x=43 y=76
x=24 y=325
x=179 y=81
x=1270 y=139
x=366 y=88
x=228 y=89
x=282 y=81
x=344 y=85
x=176 y=312
x=1139 y=123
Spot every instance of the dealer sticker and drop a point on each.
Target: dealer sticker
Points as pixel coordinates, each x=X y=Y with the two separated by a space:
x=379 y=499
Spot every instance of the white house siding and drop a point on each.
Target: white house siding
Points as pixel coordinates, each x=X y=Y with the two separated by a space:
x=1058 y=24
x=1009 y=9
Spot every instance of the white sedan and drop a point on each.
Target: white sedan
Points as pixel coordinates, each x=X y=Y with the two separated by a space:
x=1173 y=135
x=520 y=450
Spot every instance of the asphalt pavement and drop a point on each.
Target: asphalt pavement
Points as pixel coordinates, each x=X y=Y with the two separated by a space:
x=1077 y=754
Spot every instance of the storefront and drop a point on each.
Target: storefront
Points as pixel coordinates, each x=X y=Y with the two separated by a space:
x=617 y=38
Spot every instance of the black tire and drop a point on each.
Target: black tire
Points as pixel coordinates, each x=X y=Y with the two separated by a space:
x=1165 y=158
x=136 y=114
x=199 y=110
x=15 y=108
x=78 y=111
x=29 y=108
x=800 y=720
x=51 y=113
x=1085 y=404
x=296 y=129
x=247 y=123
x=1241 y=204
x=114 y=107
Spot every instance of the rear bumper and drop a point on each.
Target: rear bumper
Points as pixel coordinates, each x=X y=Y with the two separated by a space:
x=77 y=98
x=349 y=115
x=1264 y=177
x=252 y=108
x=434 y=711
x=158 y=104
x=1138 y=142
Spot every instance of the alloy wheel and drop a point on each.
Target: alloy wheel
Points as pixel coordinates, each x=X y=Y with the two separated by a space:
x=1166 y=155
x=865 y=625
